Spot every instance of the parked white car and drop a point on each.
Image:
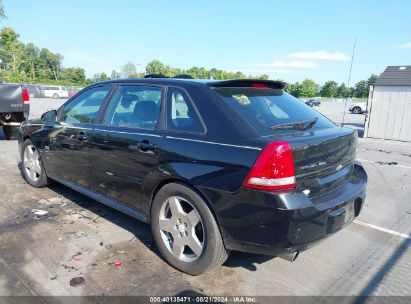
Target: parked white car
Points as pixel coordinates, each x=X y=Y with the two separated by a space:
x=358 y=108
x=55 y=92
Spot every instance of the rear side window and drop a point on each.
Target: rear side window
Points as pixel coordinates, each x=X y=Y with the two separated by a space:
x=181 y=114
x=263 y=109
x=135 y=107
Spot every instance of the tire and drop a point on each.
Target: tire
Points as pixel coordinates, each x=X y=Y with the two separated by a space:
x=55 y=96
x=197 y=246
x=357 y=110
x=33 y=169
x=8 y=132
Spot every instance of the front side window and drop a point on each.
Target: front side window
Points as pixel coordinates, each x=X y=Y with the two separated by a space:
x=135 y=107
x=181 y=114
x=84 y=108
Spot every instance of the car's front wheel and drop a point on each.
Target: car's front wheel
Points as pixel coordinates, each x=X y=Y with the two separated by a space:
x=185 y=231
x=357 y=110
x=55 y=96
x=33 y=168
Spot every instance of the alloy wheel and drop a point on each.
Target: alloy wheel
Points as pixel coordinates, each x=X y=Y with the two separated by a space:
x=357 y=110
x=31 y=160
x=181 y=229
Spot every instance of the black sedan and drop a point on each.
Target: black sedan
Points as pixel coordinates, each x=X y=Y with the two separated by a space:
x=213 y=166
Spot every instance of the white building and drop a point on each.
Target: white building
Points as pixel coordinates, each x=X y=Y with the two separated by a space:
x=389 y=105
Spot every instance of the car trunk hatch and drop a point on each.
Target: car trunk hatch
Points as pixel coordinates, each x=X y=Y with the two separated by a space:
x=323 y=159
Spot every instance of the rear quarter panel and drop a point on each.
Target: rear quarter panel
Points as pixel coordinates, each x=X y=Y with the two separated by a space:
x=205 y=164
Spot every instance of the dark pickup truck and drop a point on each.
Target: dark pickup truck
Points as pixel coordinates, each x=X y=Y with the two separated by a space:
x=14 y=107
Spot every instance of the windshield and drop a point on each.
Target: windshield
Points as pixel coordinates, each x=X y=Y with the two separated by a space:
x=263 y=109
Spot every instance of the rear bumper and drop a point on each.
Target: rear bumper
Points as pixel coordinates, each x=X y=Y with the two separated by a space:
x=16 y=117
x=274 y=224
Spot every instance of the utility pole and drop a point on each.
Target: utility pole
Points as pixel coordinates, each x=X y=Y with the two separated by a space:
x=349 y=79
x=352 y=60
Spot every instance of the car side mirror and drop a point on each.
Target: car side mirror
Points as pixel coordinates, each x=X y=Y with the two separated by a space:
x=50 y=116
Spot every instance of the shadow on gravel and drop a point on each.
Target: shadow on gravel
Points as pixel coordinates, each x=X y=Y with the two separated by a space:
x=139 y=229
x=246 y=260
x=190 y=293
x=2 y=135
x=6 y=134
x=21 y=168
x=142 y=231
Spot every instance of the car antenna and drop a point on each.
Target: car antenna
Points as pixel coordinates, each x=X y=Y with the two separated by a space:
x=348 y=84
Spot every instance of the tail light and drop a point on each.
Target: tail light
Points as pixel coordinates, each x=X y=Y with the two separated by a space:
x=260 y=86
x=274 y=168
x=26 y=96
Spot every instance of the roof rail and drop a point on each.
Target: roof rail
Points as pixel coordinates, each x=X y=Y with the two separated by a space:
x=155 y=76
x=159 y=75
x=183 y=76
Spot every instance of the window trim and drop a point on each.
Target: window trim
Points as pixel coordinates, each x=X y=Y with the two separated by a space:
x=61 y=109
x=190 y=100
x=125 y=84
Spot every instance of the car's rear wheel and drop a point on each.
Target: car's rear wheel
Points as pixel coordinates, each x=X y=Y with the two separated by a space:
x=33 y=168
x=55 y=96
x=357 y=110
x=185 y=231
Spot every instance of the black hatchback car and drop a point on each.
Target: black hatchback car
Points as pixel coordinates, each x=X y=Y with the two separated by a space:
x=213 y=166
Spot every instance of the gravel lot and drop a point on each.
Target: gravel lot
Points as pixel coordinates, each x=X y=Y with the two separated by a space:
x=80 y=237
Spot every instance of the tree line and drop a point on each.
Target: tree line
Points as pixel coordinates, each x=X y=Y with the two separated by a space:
x=331 y=89
x=129 y=70
x=28 y=63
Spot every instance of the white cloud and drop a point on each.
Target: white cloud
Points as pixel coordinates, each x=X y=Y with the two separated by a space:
x=320 y=55
x=407 y=45
x=295 y=63
x=279 y=67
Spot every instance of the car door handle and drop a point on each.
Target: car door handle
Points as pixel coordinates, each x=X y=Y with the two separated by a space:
x=145 y=145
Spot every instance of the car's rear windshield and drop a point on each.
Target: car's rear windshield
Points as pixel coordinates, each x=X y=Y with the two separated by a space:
x=264 y=109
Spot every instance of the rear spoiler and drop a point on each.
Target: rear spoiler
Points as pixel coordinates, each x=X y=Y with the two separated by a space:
x=251 y=83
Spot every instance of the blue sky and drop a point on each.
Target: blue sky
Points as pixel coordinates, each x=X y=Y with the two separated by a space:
x=291 y=40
